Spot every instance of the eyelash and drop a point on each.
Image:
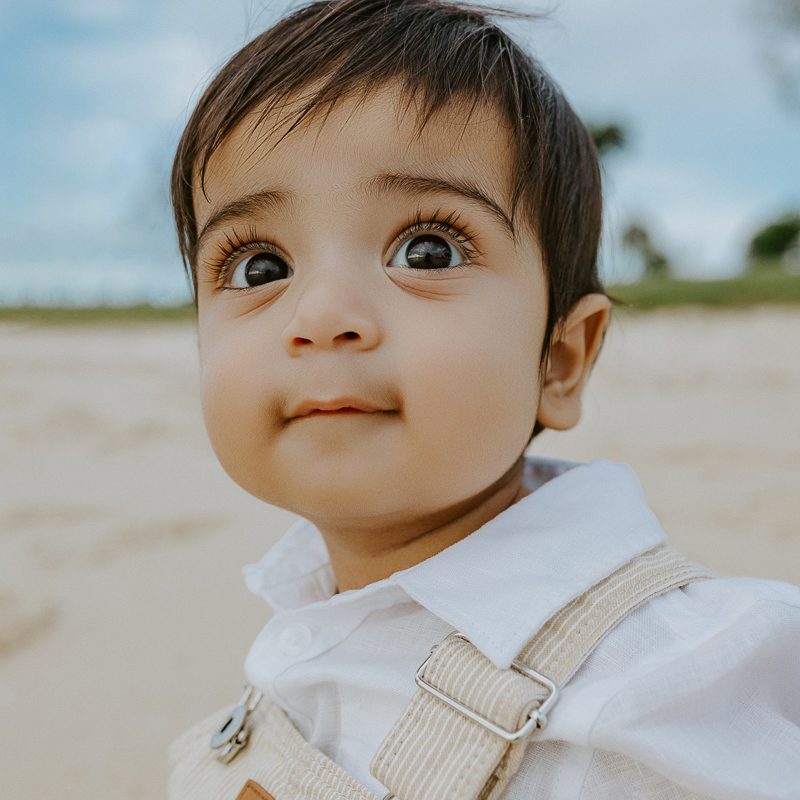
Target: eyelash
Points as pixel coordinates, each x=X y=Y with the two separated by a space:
x=235 y=244
x=450 y=225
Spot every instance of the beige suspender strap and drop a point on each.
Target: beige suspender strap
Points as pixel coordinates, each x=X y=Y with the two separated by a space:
x=464 y=732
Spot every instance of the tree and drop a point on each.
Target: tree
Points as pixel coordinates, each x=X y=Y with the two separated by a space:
x=780 y=23
x=609 y=136
x=637 y=238
x=775 y=240
x=613 y=136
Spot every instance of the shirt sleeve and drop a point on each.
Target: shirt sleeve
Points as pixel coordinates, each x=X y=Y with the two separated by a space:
x=717 y=709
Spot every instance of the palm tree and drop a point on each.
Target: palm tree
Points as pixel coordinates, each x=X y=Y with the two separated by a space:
x=608 y=136
x=637 y=238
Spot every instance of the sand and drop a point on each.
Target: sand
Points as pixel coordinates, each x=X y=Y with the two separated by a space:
x=123 y=615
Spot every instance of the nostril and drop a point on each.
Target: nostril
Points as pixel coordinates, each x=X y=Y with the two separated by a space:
x=303 y=341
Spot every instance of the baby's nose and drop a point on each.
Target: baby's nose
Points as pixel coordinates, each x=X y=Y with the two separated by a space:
x=329 y=318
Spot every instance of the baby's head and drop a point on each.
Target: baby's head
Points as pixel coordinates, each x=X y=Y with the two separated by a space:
x=387 y=204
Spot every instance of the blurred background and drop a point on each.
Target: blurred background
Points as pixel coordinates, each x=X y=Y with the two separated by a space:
x=123 y=615
x=696 y=111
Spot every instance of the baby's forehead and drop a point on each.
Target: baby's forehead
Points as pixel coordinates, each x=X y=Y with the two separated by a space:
x=356 y=145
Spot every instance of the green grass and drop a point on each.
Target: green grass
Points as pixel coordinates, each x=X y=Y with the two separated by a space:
x=765 y=285
x=99 y=315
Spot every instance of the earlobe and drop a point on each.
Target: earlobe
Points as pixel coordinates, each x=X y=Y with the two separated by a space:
x=575 y=346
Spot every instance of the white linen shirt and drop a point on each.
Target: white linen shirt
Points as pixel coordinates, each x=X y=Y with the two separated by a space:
x=695 y=694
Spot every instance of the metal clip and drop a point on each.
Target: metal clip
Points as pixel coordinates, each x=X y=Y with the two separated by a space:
x=233 y=734
x=536 y=719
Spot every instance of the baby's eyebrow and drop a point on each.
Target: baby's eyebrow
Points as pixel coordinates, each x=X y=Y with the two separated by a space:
x=430 y=184
x=250 y=205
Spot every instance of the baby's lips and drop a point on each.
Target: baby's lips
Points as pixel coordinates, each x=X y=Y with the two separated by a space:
x=335 y=404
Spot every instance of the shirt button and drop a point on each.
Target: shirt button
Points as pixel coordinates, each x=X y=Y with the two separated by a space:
x=294 y=640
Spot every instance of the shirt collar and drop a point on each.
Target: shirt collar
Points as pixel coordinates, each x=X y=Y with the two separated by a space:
x=500 y=584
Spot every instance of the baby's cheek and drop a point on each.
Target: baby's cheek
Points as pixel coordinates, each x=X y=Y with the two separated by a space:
x=470 y=413
x=224 y=406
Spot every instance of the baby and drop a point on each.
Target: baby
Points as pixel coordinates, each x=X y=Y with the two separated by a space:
x=390 y=215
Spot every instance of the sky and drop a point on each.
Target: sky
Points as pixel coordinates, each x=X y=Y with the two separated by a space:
x=95 y=93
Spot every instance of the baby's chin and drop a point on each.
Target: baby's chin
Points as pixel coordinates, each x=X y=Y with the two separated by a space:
x=364 y=498
x=360 y=474
x=375 y=505
x=339 y=501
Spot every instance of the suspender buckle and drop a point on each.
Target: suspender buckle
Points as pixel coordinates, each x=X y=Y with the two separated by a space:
x=536 y=719
x=233 y=734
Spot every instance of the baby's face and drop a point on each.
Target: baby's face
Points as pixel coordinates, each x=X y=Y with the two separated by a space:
x=366 y=267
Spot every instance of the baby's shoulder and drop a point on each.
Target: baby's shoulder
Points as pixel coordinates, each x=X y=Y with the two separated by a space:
x=737 y=616
x=732 y=634
x=709 y=606
x=702 y=684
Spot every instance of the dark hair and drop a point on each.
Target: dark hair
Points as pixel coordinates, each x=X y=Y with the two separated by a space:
x=439 y=52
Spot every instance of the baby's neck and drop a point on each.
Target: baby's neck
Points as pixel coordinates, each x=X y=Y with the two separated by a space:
x=366 y=556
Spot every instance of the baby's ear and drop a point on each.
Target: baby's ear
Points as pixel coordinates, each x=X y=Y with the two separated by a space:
x=575 y=345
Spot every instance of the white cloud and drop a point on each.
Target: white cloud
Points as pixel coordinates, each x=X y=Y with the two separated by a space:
x=97 y=11
x=636 y=58
x=700 y=219
x=148 y=80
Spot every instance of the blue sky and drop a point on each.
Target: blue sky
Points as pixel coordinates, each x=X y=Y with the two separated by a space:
x=95 y=93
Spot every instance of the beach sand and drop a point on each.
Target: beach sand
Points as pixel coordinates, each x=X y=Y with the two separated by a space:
x=123 y=614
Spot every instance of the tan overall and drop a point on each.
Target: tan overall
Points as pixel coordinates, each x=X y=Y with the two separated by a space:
x=464 y=732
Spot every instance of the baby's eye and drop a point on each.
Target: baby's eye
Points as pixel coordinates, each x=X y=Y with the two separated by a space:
x=428 y=251
x=258 y=269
